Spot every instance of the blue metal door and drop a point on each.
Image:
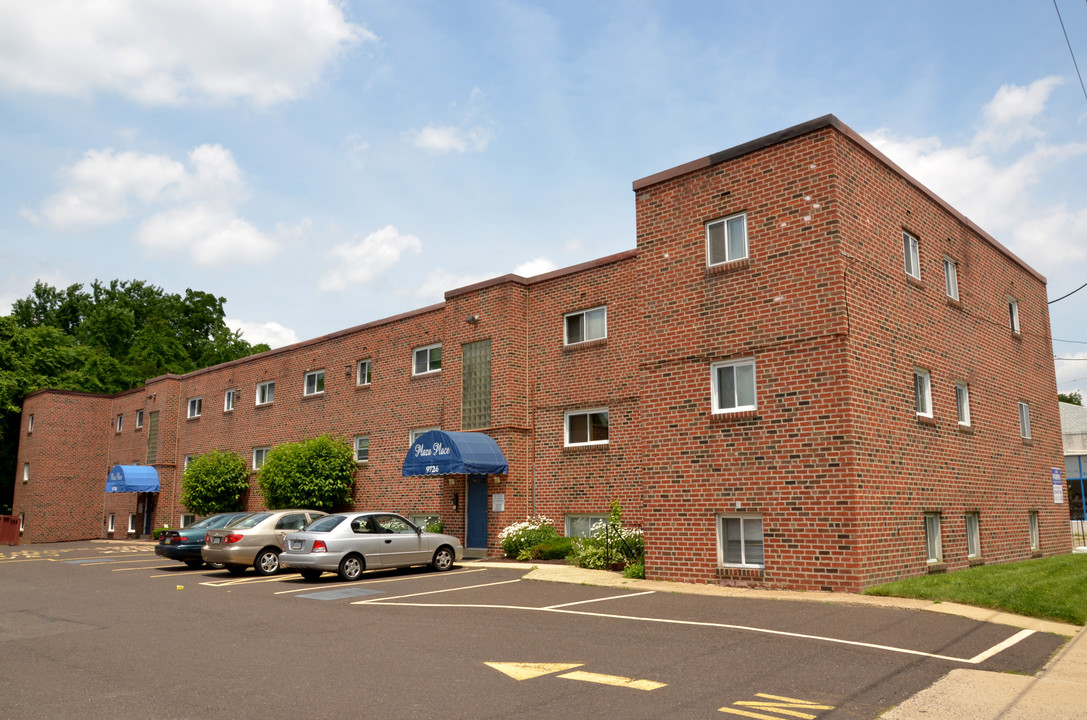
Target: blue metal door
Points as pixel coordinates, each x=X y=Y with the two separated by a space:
x=476 y=530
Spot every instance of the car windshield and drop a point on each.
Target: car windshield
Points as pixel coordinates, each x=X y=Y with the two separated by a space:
x=251 y=520
x=324 y=524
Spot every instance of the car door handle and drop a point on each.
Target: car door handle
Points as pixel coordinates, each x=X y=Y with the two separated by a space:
x=389 y=540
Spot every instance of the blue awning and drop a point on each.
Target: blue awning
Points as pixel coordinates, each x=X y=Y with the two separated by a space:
x=132 y=478
x=438 y=452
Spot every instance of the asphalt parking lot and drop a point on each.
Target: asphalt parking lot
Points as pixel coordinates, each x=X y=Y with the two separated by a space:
x=106 y=629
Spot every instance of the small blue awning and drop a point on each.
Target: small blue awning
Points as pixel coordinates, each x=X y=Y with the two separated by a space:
x=132 y=478
x=438 y=452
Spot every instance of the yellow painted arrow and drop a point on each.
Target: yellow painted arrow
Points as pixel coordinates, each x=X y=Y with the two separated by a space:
x=527 y=671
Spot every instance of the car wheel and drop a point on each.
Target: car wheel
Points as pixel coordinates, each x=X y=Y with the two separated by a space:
x=194 y=563
x=310 y=574
x=267 y=562
x=216 y=566
x=351 y=568
x=236 y=569
x=443 y=559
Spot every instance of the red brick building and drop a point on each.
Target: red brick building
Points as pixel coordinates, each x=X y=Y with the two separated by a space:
x=811 y=372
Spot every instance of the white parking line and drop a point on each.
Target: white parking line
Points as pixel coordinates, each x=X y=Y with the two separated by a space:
x=434 y=592
x=375 y=581
x=613 y=597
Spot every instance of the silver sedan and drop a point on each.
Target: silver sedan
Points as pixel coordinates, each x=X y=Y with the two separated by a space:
x=349 y=543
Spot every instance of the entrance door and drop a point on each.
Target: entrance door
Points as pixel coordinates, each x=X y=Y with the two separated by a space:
x=476 y=530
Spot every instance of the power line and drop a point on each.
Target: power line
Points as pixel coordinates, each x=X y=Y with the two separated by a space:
x=1074 y=63
x=1077 y=342
x=1062 y=297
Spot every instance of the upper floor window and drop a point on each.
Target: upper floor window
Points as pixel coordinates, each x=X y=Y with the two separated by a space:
x=315 y=382
x=362 y=372
x=30 y=423
x=922 y=392
x=196 y=407
x=427 y=359
x=120 y=422
x=726 y=239
x=417 y=433
x=259 y=455
x=962 y=403
x=229 y=398
x=587 y=427
x=951 y=278
x=188 y=461
x=733 y=386
x=139 y=419
x=913 y=255
x=266 y=392
x=26 y=472
x=1013 y=314
x=362 y=448
x=586 y=325
x=1024 y=420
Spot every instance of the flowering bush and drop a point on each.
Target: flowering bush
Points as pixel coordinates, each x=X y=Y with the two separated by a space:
x=522 y=536
x=611 y=543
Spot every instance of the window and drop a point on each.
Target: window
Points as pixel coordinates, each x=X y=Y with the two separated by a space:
x=111 y=524
x=228 y=400
x=22 y=521
x=587 y=427
x=951 y=278
x=582 y=525
x=933 y=552
x=187 y=520
x=188 y=461
x=132 y=522
x=26 y=472
x=315 y=382
x=739 y=541
x=423 y=522
x=1035 y=543
x=1013 y=314
x=475 y=373
x=733 y=386
x=427 y=359
x=586 y=325
x=962 y=403
x=362 y=372
x=922 y=392
x=196 y=407
x=1024 y=421
x=362 y=448
x=266 y=392
x=973 y=536
x=418 y=432
x=139 y=419
x=259 y=455
x=30 y=424
x=913 y=256
x=726 y=239
x=120 y=422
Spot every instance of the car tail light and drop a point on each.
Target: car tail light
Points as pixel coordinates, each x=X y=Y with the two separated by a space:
x=207 y=538
x=232 y=538
x=319 y=546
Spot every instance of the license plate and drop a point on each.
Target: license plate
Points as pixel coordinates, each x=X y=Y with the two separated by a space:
x=216 y=540
x=296 y=544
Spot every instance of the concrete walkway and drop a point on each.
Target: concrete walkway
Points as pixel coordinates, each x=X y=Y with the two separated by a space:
x=1058 y=691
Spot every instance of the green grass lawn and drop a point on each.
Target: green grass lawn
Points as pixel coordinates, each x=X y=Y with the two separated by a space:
x=1053 y=588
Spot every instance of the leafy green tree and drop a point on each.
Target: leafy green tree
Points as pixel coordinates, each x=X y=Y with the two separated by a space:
x=214 y=482
x=1074 y=398
x=316 y=474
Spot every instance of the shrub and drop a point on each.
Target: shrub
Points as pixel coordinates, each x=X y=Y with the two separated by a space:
x=214 y=483
x=317 y=474
x=157 y=532
x=611 y=543
x=521 y=536
x=553 y=549
x=635 y=570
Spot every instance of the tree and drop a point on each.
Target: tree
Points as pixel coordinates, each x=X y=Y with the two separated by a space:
x=1074 y=397
x=214 y=482
x=315 y=474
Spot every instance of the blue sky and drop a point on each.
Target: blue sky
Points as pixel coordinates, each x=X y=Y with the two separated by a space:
x=325 y=164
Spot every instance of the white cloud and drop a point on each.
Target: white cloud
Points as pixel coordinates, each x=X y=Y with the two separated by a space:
x=161 y=52
x=272 y=333
x=473 y=133
x=536 y=266
x=212 y=234
x=362 y=262
x=1009 y=114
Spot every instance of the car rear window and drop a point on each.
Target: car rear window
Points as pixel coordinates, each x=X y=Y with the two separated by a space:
x=324 y=524
x=251 y=520
x=223 y=520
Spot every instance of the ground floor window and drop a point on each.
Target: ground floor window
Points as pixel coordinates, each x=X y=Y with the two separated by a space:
x=739 y=541
x=1035 y=543
x=933 y=550
x=132 y=522
x=111 y=524
x=581 y=526
x=424 y=521
x=22 y=521
x=187 y=520
x=973 y=535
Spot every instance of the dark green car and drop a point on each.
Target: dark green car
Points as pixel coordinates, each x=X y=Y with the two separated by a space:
x=185 y=544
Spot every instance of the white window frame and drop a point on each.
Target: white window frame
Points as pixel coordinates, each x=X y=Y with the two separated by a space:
x=358 y=439
x=922 y=392
x=951 y=278
x=725 y=224
x=120 y=422
x=1035 y=535
x=111 y=523
x=26 y=472
x=363 y=377
x=186 y=519
x=911 y=250
x=139 y=419
x=188 y=461
x=262 y=453
x=1024 y=420
x=575 y=519
x=722 y=540
x=318 y=384
x=22 y=521
x=584 y=315
x=973 y=535
x=30 y=423
x=230 y=397
x=715 y=386
x=429 y=360
x=1013 y=315
x=131 y=523
x=196 y=407
x=588 y=428
x=415 y=433
x=962 y=403
x=934 y=551
x=266 y=392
